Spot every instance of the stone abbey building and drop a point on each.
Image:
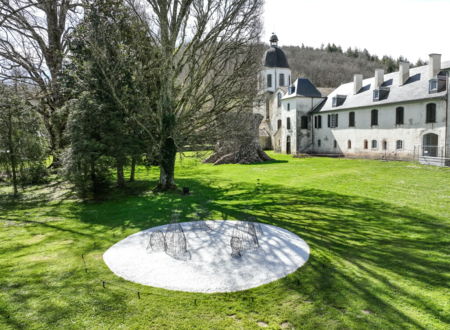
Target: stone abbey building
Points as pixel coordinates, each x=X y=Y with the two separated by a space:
x=400 y=115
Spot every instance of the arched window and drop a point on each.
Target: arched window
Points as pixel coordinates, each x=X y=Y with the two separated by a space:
x=399 y=114
x=269 y=80
x=366 y=144
x=374 y=117
x=304 y=122
x=384 y=145
x=349 y=144
x=351 y=119
x=374 y=144
x=279 y=99
x=431 y=113
x=288 y=123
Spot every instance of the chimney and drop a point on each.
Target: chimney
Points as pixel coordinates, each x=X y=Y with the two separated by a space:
x=434 y=65
x=357 y=83
x=403 y=73
x=379 y=78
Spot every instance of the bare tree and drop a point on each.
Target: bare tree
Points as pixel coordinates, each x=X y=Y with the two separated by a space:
x=238 y=141
x=207 y=63
x=33 y=41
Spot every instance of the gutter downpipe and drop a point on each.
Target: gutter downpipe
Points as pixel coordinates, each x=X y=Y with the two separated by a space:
x=312 y=126
x=446 y=146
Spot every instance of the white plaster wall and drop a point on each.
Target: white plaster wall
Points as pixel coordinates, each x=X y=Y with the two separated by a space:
x=411 y=132
x=299 y=106
x=275 y=72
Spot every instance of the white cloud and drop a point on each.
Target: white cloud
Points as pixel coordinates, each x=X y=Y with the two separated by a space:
x=412 y=28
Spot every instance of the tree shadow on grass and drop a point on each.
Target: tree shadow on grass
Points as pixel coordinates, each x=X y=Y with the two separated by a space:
x=365 y=253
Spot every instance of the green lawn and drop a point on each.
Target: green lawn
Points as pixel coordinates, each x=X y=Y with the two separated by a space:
x=378 y=232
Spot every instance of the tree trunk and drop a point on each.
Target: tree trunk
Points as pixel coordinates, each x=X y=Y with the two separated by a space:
x=12 y=153
x=133 y=169
x=167 y=166
x=239 y=141
x=14 y=172
x=120 y=174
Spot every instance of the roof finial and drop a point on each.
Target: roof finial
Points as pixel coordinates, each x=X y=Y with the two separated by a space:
x=274 y=40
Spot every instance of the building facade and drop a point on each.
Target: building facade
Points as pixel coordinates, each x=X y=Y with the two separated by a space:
x=400 y=115
x=285 y=105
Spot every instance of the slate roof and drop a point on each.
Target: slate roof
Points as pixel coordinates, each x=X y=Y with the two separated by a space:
x=416 y=88
x=303 y=87
x=275 y=58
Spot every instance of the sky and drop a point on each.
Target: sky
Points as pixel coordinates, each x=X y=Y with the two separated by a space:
x=411 y=28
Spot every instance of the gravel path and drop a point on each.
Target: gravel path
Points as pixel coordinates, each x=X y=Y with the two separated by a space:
x=211 y=267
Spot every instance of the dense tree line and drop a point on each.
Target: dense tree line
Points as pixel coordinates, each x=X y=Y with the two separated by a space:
x=330 y=65
x=111 y=83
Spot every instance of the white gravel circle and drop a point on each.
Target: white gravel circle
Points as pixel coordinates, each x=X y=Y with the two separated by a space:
x=211 y=267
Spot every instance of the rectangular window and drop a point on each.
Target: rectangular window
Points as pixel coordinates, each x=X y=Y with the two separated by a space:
x=269 y=80
x=316 y=120
x=399 y=144
x=335 y=144
x=333 y=120
x=289 y=106
x=319 y=143
x=351 y=119
x=374 y=144
x=304 y=122
x=281 y=79
x=399 y=115
x=431 y=113
x=374 y=117
x=288 y=123
x=320 y=122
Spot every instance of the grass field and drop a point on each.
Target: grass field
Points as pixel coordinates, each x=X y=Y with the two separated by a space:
x=378 y=232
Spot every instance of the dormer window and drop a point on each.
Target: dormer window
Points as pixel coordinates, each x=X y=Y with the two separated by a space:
x=438 y=84
x=381 y=93
x=339 y=100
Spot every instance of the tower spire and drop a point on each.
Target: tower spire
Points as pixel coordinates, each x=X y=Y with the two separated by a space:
x=274 y=40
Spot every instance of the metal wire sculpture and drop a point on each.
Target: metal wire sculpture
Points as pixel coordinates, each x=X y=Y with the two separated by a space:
x=200 y=224
x=175 y=242
x=258 y=228
x=236 y=247
x=244 y=238
x=157 y=241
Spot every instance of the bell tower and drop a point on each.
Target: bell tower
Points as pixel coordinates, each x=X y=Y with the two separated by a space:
x=276 y=72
